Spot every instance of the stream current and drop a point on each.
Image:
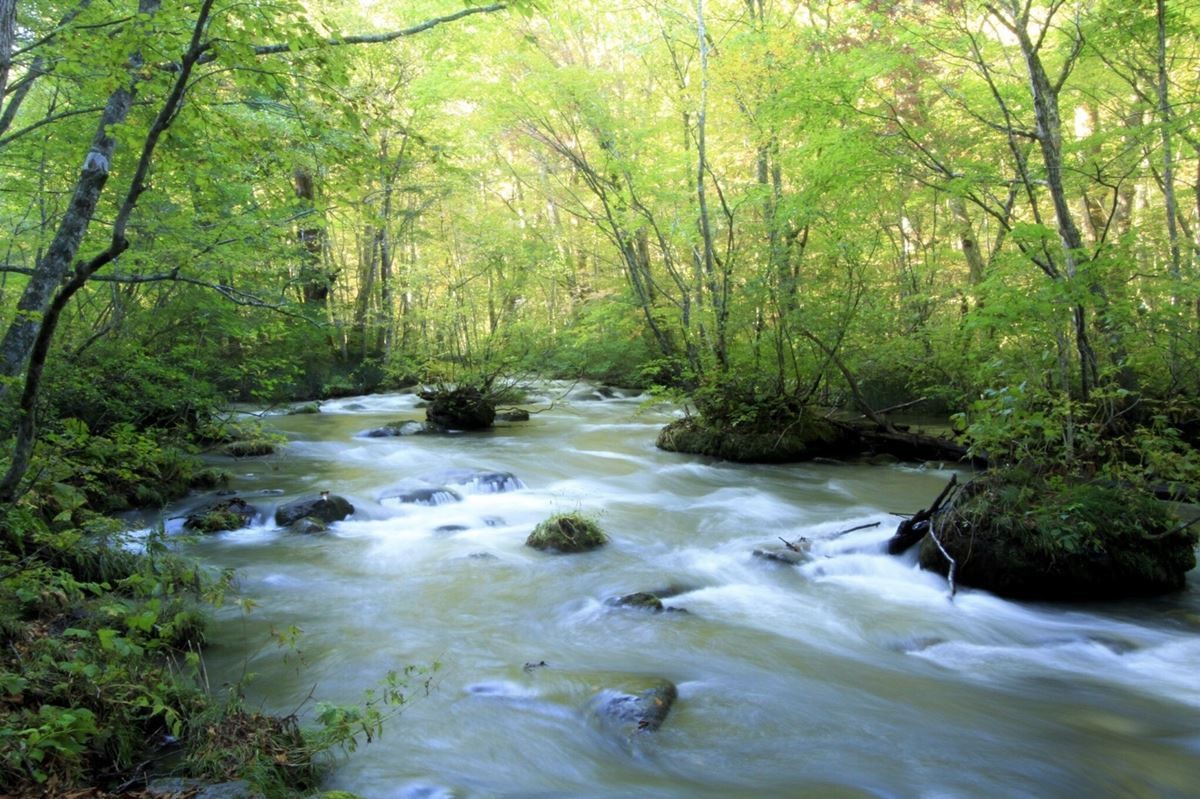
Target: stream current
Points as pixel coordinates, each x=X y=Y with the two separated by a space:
x=852 y=674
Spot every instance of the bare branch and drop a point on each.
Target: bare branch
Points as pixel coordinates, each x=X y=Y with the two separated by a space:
x=380 y=38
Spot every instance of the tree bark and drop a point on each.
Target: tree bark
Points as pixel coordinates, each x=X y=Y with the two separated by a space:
x=1168 y=156
x=8 y=19
x=53 y=266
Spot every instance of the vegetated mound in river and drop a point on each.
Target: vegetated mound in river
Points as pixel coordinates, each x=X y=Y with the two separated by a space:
x=797 y=437
x=1025 y=536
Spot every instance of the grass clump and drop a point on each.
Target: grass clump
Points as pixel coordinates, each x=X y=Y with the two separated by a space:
x=567 y=532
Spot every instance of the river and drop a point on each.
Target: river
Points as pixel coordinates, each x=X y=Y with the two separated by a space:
x=853 y=674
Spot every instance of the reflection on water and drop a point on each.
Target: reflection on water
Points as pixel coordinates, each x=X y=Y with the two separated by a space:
x=850 y=675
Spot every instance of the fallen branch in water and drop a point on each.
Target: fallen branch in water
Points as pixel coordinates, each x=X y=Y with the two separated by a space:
x=946 y=555
x=913 y=529
x=855 y=529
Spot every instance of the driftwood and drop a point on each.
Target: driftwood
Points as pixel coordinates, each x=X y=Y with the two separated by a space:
x=914 y=528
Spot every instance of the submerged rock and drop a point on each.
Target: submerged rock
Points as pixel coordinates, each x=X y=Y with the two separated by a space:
x=228 y=514
x=483 y=482
x=401 y=428
x=646 y=600
x=800 y=439
x=433 y=495
x=567 y=533
x=516 y=415
x=308 y=526
x=641 y=599
x=641 y=712
x=788 y=557
x=1023 y=537
x=328 y=509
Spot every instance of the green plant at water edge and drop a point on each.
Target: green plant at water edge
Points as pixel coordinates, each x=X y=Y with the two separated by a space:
x=280 y=755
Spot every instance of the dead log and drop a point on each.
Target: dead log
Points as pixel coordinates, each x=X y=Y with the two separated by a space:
x=907 y=445
x=913 y=529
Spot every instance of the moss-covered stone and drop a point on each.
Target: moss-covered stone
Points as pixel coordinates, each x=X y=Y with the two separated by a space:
x=800 y=438
x=305 y=408
x=567 y=532
x=229 y=514
x=210 y=477
x=1023 y=537
x=250 y=448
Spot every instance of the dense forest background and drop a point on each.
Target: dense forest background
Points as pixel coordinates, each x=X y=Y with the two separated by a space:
x=966 y=201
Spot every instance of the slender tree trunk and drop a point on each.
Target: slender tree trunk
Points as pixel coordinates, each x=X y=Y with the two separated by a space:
x=52 y=268
x=1049 y=137
x=967 y=240
x=1164 y=126
x=8 y=19
x=708 y=250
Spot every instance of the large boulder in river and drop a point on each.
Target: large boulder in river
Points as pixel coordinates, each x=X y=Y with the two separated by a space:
x=1028 y=537
x=461 y=408
x=566 y=533
x=327 y=508
x=798 y=439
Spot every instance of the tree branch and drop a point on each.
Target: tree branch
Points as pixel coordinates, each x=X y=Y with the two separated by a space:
x=380 y=38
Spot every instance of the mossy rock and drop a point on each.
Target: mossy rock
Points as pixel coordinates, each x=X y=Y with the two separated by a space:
x=643 y=600
x=250 y=448
x=463 y=408
x=803 y=438
x=306 y=408
x=328 y=508
x=229 y=514
x=209 y=478
x=1024 y=537
x=567 y=533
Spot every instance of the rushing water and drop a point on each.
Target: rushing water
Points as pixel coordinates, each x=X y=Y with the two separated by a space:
x=851 y=675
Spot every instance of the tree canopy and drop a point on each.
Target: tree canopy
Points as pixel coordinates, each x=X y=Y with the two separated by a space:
x=993 y=205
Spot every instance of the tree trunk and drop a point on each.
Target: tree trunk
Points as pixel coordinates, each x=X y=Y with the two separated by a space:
x=52 y=268
x=1049 y=138
x=8 y=18
x=708 y=250
x=1164 y=126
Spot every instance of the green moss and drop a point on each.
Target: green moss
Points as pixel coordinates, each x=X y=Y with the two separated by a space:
x=567 y=532
x=215 y=521
x=210 y=477
x=796 y=439
x=250 y=448
x=1022 y=535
